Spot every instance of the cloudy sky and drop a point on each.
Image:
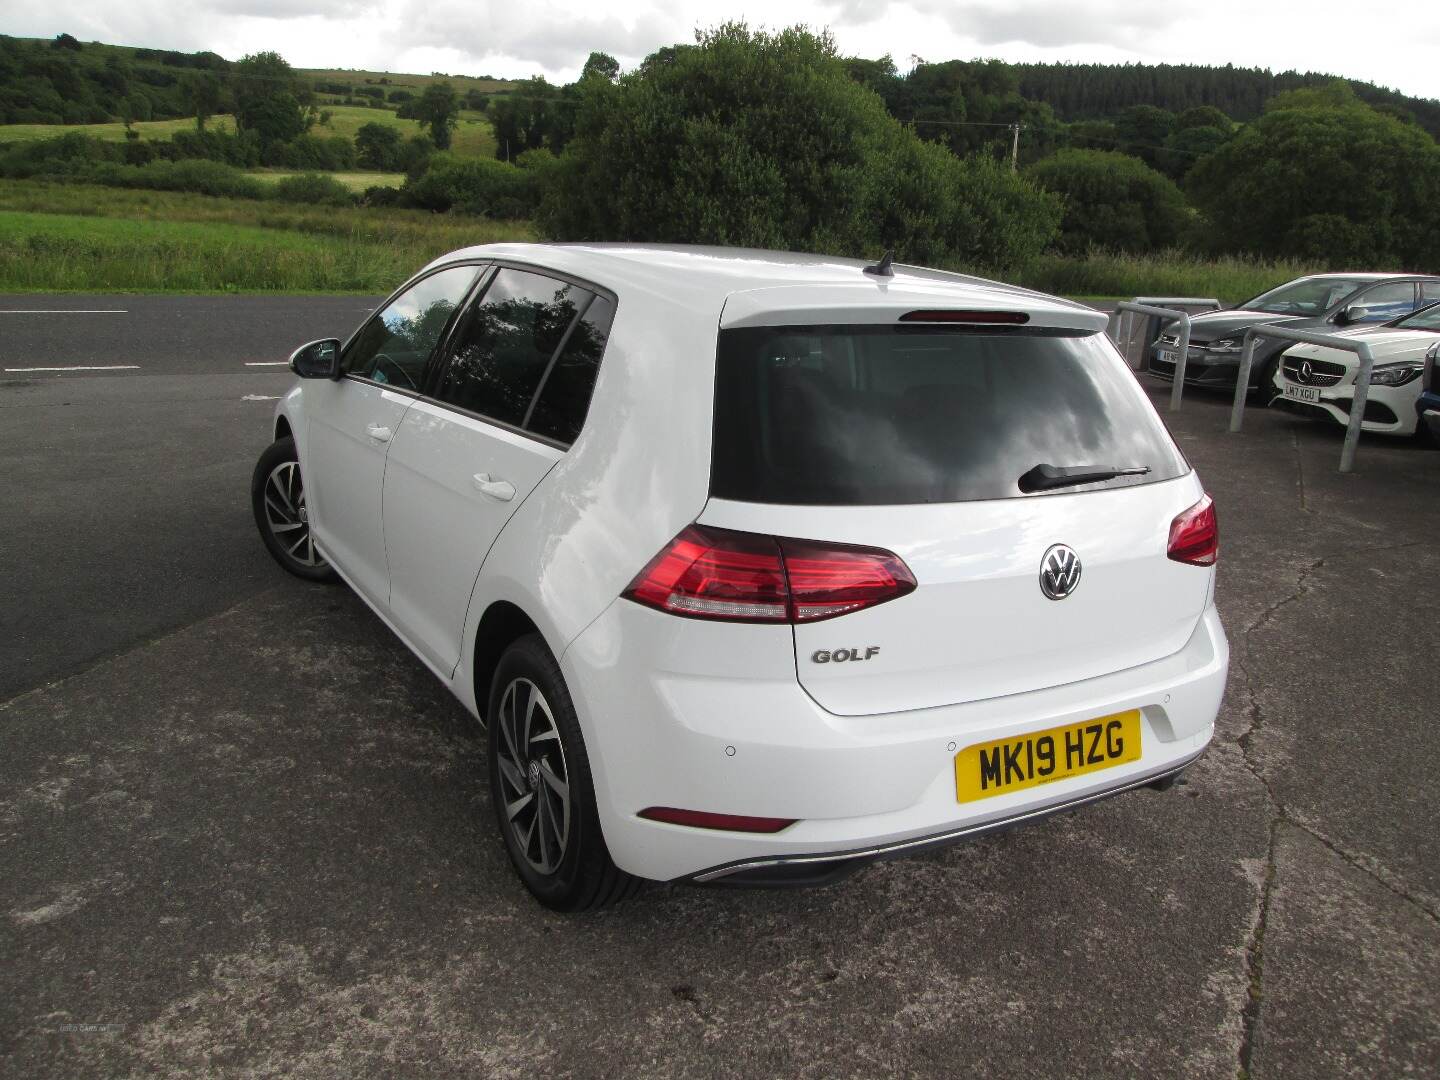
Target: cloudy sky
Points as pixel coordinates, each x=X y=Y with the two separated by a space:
x=1399 y=47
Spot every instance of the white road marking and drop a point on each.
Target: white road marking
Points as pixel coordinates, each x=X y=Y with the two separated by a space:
x=258 y=397
x=267 y=363
x=80 y=367
x=63 y=311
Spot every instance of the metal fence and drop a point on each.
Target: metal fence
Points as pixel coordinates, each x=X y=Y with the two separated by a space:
x=1132 y=335
x=1161 y=316
x=1362 y=379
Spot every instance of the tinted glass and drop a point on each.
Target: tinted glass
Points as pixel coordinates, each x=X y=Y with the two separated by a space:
x=1385 y=302
x=505 y=344
x=1308 y=296
x=559 y=411
x=847 y=415
x=394 y=346
x=1429 y=292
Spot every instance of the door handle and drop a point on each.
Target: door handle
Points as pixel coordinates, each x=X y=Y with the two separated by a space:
x=378 y=432
x=496 y=489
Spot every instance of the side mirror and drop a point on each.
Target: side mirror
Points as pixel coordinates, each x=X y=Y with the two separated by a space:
x=1352 y=314
x=317 y=360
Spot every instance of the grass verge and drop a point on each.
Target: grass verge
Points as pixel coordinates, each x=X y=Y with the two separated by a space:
x=78 y=238
x=1164 y=273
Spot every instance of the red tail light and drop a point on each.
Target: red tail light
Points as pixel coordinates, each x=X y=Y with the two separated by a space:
x=1195 y=535
x=701 y=819
x=708 y=573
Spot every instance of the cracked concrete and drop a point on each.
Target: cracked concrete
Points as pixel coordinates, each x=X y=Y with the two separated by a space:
x=260 y=845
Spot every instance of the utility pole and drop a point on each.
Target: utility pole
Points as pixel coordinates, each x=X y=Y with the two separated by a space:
x=1015 y=148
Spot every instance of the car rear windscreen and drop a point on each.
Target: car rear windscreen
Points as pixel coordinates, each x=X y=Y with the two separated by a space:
x=877 y=415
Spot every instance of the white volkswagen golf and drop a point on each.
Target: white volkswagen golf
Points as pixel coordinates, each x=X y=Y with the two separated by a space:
x=758 y=566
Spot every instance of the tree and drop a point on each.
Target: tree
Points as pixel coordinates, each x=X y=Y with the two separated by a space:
x=1112 y=201
x=1143 y=130
x=378 y=146
x=1282 y=182
x=600 y=65
x=438 y=109
x=65 y=41
x=270 y=99
x=527 y=117
x=203 y=92
x=756 y=139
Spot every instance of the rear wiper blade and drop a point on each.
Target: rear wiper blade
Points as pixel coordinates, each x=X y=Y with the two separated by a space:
x=1045 y=477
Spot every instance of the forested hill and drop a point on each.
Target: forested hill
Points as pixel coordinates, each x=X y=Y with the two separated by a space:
x=1099 y=91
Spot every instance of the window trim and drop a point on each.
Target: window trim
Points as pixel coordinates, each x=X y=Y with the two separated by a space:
x=554 y=359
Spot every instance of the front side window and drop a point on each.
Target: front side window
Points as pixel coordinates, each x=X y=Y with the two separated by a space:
x=395 y=345
x=1385 y=302
x=503 y=347
x=875 y=415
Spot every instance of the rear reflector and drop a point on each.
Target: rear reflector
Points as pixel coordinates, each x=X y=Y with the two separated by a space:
x=708 y=573
x=1195 y=535
x=1011 y=318
x=699 y=819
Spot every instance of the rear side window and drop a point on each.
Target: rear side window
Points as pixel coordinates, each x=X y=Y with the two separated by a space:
x=559 y=411
x=505 y=343
x=876 y=415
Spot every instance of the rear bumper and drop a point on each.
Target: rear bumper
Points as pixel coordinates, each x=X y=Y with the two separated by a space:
x=825 y=867
x=859 y=787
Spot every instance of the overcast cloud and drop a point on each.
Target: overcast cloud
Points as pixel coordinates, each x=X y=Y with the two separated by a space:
x=518 y=38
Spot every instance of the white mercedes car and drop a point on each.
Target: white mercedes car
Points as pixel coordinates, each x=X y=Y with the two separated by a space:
x=1319 y=381
x=758 y=566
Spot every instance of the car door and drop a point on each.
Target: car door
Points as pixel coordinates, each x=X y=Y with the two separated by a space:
x=463 y=462
x=352 y=420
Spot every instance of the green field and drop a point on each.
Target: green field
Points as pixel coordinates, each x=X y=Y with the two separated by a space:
x=78 y=238
x=474 y=136
x=148 y=129
x=355 y=181
x=404 y=81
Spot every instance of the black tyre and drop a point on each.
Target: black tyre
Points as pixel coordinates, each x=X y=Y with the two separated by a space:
x=1264 y=390
x=541 y=788
x=277 y=496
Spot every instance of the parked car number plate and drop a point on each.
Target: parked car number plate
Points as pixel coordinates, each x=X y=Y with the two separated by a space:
x=1302 y=393
x=1169 y=356
x=1042 y=757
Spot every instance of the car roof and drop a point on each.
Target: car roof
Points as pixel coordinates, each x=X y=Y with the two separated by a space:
x=1368 y=275
x=820 y=285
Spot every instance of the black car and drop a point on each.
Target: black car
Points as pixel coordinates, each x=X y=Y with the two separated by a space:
x=1320 y=302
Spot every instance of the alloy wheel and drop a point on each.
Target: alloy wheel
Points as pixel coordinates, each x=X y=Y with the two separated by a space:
x=534 y=780
x=286 y=515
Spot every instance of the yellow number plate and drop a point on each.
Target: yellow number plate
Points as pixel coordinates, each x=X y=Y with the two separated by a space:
x=1042 y=757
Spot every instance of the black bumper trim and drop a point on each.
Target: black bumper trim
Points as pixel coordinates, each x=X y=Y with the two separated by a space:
x=827 y=867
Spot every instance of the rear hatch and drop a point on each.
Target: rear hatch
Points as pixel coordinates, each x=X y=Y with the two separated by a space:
x=914 y=438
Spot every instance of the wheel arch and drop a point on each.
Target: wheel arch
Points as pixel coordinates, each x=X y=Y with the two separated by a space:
x=502 y=624
x=282 y=428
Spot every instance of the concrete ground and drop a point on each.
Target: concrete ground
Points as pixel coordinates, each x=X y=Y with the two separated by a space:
x=242 y=830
